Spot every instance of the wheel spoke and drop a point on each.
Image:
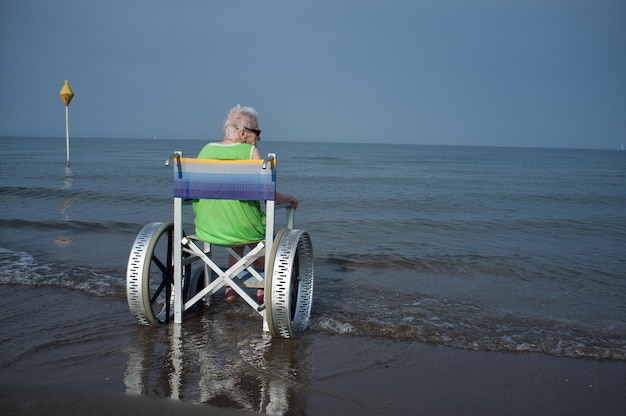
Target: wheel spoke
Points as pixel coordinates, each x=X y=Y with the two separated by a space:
x=164 y=284
x=159 y=264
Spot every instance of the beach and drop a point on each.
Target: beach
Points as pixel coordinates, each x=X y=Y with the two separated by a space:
x=338 y=374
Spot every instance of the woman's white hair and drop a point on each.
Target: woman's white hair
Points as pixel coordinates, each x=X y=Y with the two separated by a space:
x=238 y=118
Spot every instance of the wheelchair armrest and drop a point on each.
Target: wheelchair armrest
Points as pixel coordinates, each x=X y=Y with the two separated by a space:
x=290 y=213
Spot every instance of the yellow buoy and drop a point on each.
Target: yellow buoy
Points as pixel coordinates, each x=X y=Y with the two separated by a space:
x=66 y=93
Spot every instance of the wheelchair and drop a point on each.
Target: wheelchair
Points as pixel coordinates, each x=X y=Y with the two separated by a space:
x=170 y=272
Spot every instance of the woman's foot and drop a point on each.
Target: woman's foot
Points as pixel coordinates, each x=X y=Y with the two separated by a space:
x=230 y=295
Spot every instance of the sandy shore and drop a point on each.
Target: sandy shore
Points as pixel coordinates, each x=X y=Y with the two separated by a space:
x=61 y=401
x=112 y=367
x=400 y=379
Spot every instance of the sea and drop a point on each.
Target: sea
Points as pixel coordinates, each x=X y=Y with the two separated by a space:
x=505 y=249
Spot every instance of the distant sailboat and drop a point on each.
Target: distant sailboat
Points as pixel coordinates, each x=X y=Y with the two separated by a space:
x=623 y=147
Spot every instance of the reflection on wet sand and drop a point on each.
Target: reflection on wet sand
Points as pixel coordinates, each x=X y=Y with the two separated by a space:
x=221 y=362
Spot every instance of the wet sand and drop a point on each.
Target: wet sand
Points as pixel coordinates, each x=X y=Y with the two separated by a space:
x=425 y=380
x=210 y=367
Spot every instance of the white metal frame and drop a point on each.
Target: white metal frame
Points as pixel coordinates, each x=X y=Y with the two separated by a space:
x=229 y=276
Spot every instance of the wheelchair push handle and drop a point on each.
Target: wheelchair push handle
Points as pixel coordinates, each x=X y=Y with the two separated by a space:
x=176 y=155
x=271 y=157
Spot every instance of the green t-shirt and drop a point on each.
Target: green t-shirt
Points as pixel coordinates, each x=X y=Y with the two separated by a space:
x=227 y=222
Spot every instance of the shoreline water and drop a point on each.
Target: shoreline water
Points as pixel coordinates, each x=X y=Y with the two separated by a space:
x=221 y=362
x=477 y=248
x=448 y=280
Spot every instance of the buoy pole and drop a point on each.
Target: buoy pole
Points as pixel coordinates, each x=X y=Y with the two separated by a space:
x=66 y=95
x=67 y=134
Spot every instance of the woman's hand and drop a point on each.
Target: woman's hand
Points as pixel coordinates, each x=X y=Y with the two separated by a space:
x=286 y=199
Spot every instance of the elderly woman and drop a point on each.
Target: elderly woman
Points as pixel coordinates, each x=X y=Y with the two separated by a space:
x=231 y=223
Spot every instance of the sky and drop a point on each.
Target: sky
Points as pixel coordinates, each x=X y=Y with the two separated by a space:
x=528 y=73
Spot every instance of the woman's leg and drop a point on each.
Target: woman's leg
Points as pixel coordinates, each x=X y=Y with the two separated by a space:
x=259 y=265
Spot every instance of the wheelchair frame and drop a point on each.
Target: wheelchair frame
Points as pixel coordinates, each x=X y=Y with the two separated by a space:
x=161 y=282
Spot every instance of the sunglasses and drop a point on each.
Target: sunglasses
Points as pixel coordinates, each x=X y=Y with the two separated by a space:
x=255 y=131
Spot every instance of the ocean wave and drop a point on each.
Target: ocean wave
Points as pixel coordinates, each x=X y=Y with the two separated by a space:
x=21 y=268
x=444 y=264
x=458 y=324
x=52 y=225
x=347 y=308
x=83 y=196
x=325 y=158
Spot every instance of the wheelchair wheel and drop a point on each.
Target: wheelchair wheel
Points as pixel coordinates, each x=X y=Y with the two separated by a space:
x=193 y=284
x=150 y=275
x=289 y=284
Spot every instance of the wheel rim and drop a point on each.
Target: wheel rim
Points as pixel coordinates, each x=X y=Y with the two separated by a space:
x=290 y=284
x=149 y=278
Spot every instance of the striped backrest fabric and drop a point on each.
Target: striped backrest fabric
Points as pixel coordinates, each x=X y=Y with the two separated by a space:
x=244 y=180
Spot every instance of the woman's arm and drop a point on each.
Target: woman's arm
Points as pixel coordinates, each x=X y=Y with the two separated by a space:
x=280 y=198
x=286 y=199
